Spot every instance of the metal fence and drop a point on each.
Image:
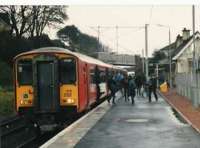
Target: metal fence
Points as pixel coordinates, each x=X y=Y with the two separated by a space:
x=188 y=85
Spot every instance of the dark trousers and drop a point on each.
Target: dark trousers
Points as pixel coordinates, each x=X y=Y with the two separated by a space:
x=154 y=92
x=112 y=96
x=139 y=91
x=132 y=99
x=125 y=94
x=132 y=95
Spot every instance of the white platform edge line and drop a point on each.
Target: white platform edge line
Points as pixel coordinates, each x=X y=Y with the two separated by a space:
x=52 y=140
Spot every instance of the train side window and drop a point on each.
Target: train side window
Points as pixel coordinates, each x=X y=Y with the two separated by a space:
x=102 y=76
x=67 y=71
x=92 y=77
x=25 y=72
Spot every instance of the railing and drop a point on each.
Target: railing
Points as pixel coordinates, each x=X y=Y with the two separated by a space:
x=188 y=85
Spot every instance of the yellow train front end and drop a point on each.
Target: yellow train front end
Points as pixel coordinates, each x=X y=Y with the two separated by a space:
x=46 y=86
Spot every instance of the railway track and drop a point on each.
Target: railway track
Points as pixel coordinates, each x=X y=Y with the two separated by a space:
x=16 y=132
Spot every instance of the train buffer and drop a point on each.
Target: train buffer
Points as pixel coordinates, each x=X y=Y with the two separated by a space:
x=143 y=125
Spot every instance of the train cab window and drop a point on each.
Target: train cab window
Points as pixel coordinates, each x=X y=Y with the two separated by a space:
x=67 y=71
x=25 y=72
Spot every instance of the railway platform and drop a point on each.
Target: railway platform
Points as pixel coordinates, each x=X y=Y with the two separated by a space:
x=123 y=125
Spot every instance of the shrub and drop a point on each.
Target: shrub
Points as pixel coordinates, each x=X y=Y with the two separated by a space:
x=6 y=102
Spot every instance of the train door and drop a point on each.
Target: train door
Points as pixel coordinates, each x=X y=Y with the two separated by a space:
x=97 y=82
x=85 y=85
x=46 y=86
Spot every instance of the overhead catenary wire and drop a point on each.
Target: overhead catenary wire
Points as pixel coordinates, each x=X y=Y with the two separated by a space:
x=121 y=46
x=99 y=30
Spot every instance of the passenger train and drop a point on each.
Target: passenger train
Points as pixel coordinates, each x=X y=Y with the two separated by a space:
x=52 y=84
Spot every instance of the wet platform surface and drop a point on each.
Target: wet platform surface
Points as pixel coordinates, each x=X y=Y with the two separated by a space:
x=144 y=125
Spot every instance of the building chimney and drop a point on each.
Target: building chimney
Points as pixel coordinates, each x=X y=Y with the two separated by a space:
x=179 y=41
x=186 y=34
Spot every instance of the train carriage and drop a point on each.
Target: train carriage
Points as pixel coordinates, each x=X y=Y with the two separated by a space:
x=53 y=83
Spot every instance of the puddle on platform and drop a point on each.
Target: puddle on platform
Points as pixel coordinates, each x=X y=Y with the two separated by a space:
x=178 y=116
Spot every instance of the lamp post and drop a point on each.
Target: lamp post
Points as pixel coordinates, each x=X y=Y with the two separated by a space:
x=169 y=53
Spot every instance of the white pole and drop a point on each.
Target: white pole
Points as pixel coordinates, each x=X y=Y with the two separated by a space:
x=193 y=31
x=157 y=74
x=143 y=61
x=98 y=32
x=170 y=61
x=146 y=51
x=117 y=37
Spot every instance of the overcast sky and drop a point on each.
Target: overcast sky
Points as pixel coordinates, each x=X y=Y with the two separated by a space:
x=132 y=40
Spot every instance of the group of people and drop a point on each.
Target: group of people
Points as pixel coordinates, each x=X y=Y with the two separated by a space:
x=124 y=83
x=130 y=86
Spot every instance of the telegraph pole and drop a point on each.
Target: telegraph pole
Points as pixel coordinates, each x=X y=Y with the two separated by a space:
x=146 y=52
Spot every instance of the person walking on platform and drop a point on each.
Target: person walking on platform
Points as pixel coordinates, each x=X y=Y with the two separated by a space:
x=138 y=82
x=143 y=88
x=131 y=89
x=125 y=86
x=118 y=79
x=112 y=87
x=152 y=88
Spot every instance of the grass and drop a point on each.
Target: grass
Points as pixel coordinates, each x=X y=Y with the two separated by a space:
x=6 y=102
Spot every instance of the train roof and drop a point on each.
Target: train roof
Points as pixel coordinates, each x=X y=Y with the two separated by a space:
x=66 y=51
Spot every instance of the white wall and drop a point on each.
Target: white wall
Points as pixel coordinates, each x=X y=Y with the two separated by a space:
x=184 y=61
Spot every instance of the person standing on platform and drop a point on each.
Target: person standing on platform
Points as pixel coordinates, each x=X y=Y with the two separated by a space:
x=112 y=87
x=131 y=89
x=152 y=88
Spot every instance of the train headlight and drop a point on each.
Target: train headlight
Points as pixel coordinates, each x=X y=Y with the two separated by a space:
x=70 y=101
x=21 y=102
x=25 y=102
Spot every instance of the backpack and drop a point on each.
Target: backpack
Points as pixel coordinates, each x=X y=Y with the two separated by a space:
x=150 y=83
x=132 y=84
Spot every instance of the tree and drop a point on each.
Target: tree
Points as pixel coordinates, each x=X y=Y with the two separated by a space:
x=158 y=55
x=76 y=39
x=31 y=20
x=69 y=34
x=46 y=16
x=5 y=77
